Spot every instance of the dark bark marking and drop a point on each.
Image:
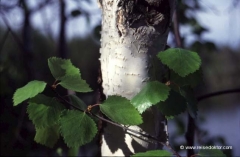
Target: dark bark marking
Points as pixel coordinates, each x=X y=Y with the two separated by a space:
x=154 y=13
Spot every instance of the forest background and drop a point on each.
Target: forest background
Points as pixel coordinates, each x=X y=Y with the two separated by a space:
x=31 y=31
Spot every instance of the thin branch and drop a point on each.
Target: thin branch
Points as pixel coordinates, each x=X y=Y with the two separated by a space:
x=20 y=126
x=230 y=91
x=176 y=29
x=130 y=131
x=190 y=134
x=6 y=8
x=4 y=40
x=191 y=122
x=16 y=38
x=42 y=5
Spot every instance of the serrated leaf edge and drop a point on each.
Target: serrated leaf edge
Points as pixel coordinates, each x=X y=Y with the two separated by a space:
x=60 y=128
x=29 y=97
x=199 y=66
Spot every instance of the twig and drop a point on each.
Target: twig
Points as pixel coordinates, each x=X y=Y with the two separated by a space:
x=176 y=29
x=191 y=123
x=6 y=8
x=130 y=131
x=18 y=41
x=41 y=5
x=4 y=40
x=19 y=126
x=200 y=98
x=190 y=134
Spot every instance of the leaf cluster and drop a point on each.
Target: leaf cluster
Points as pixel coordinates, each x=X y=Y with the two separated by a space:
x=184 y=74
x=77 y=127
x=49 y=114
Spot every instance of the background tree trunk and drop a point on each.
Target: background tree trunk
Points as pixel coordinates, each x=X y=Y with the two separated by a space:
x=27 y=56
x=133 y=32
x=62 y=46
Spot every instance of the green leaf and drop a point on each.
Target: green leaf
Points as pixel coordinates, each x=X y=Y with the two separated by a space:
x=154 y=153
x=120 y=110
x=182 y=61
x=28 y=91
x=192 y=79
x=75 y=83
x=68 y=74
x=169 y=117
x=47 y=136
x=77 y=128
x=174 y=105
x=44 y=111
x=151 y=94
x=62 y=67
x=211 y=153
x=77 y=102
x=188 y=93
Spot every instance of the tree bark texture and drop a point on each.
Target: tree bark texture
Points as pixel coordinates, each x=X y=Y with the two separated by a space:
x=133 y=32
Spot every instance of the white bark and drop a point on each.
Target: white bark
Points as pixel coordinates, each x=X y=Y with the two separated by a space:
x=133 y=31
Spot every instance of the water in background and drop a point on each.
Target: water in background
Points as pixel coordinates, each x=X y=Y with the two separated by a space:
x=224 y=122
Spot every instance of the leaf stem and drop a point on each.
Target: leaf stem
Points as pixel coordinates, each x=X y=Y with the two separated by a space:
x=191 y=123
x=130 y=131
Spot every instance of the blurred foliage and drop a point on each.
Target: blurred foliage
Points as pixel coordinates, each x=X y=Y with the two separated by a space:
x=220 y=67
x=17 y=132
x=219 y=64
x=202 y=137
x=220 y=71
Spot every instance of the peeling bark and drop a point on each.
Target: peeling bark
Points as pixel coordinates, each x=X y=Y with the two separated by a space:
x=133 y=32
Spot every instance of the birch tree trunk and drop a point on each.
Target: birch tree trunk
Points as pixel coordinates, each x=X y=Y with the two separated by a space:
x=133 y=32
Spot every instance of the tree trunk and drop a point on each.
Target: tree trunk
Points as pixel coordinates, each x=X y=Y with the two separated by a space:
x=27 y=42
x=62 y=48
x=133 y=32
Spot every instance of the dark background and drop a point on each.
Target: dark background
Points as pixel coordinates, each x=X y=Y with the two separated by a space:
x=31 y=31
